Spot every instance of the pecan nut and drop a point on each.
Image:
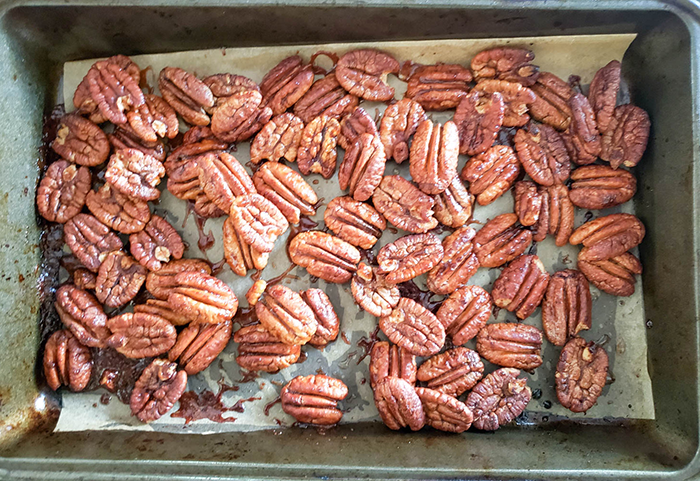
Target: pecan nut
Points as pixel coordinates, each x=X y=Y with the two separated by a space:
x=388 y=360
x=521 y=286
x=566 y=308
x=240 y=256
x=516 y=100
x=119 y=279
x=543 y=154
x=155 y=118
x=314 y=399
x=409 y=257
x=160 y=284
x=253 y=294
x=581 y=373
x=352 y=126
x=505 y=63
x=62 y=191
x=286 y=189
x=198 y=345
x=444 y=412
x=240 y=116
x=608 y=236
x=116 y=210
x=452 y=372
x=327 y=321
x=90 y=240
x=434 y=156
x=66 y=362
x=399 y=123
x=454 y=207
x=528 y=202
x=615 y=275
x=458 y=264
x=372 y=292
x=501 y=240
x=325 y=97
x=325 y=256
x=414 y=328
x=603 y=93
x=492 y=173
x=510 y=345
x=556 y=215
x=139 y=335
x=551 y=105
x=285 y=315
x=82 y=99
x=114 y=89
x=223 y=178
x=83 y=315
x=258 y=221
x=279 y=139
x=465 y=312
x=582 y=138
x=156 y=244
x=398 y=404
x=599 y=187
x=124 y=137
x=317 y=153
x=498 y=399
x=438 y=87
x=626 y=139
x=84 y=279
x=202 y=298
x=404 y=205
x=354 y=222
x=479 y=117
x=157 y=390
x=135 y=174
x=223 y=85
x=258 y=350
x=189 y=96
x=162 y=309
x=80 y=141
x=364 y=72
x=286 y=83
x=363 y=167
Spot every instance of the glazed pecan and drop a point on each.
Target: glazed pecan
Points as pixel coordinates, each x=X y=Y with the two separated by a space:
x=223 y=85
x=325 y=256
x=479 y=117
x=501 y=240
x=325 y=97
x=66 y=362
x=551 y=105
x=600 y=187
x=90 y=240
x=566 y=308
x=160 y=284
x=314 y=399
x=198 y=345
x=608 y=236
x=414 y=328
x=363 y=167
x=84 y=279
x=465 y=312
x=155 y=118
x=556 y=215
x=510 y=345
x=516 y=100
x=398 y=404
x=257 y=221
x=82 y=99
x=505 y=63
x=204 y=207
x=114 y=89
x=452 y=372
x=135 y=174
x=455 y=205
x=543 y=154
x=354 y=222
x=317 y=153
x=223 y=178
x=80 y=141
x=286 y=83
x=492 y=173
x=285 y=315
x=626 y=139
x=389 y=360
x=121 y=213
x=498 y=399
x=124 y=137
x=286 y=189
x=327 y=321
x=139 y=335
x=364 y=73
x=581 y=373
x=527 y=202
x=615 y=275
x=458 y=264
x=119 y=279
x=202 y=298
x=409 y=257
x=444 y=412
x=352 y=126
x=253 y=294
x=582 y=138
x=434 y=156
x=240 y=256
x=83 y=315
x=62 y=191
x=183 y=170
x=279 y=139
x=156 y=244
x=189 y=96
x=240 y=116
x=521 y=286
x=404 y=205
x=438 y=87
x=162 y=309
x=157 y=390
x=372 y=292
x=258 y=350
x=399 y=123
x=602 y=93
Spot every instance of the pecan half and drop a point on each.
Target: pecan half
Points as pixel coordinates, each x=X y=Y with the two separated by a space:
x=556 y=215
x=528 y=202
x=458 y=264
x=372 y=292
x=258 y=221
x=566 y=308
x=452 y=372
x=183 y=170
x=543 y=153
x=119 y=279
x=325 y=256
x=364 y=73
x=114 y=90
x=444 y=412
x=626 y=139
x=223 y=85
x=352 y=126
x=615 y=275
x=66 y=362
x=455 y=205
x=279 y=139
x=317 y=153
x=82 y=99
x=62 y=191
x=354 y=222
x=155 y=118
x=83 y=315
x=581 y=373
x=135 y=174
x=198 y=345
x=398 y=404
x=492 y=173
x=314 y=399
x=603 y=93
x=414 y=328
x=388 y=360
x=501 y=240
x=521 y=286
x=399 y=123
x=404 y=205
x=258 y=350
x=240 y=116
x=505 y=63
x=286 y=316
x=84 y=279
x=286 y=189
x=139 y=335
x=286 y=83
x=582 y=138
x=189 y=96
x=516 y=100
x=157 y=390
x=440 y=86
x=202 y=298
x=327 y=320
x=124 y=137
x=118 y=211
x=160 y=284
x=409 y=257
x=240 y=256
x=498 y=399
x=510 y=345
x=162 y=309
x=598 y=187
x=465 y=312
x=90 y=240
x=434 y=156
x=325 y=97
x=156 y=244
x=551 y=105
x=608 y=236
x=479 y=117
x=80 y=141
x=223 y=178
x=363 y=167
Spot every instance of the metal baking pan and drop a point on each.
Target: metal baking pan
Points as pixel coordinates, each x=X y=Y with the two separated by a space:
x=37 y=37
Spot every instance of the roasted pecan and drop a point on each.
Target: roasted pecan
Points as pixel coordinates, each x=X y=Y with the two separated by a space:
x=317 y=153
x=440 y=86
x=83 y=101
x=498 y=399
x=66 y=362
x=389 y=360
x=258 y=350
x=119 y=279
x=444 y=412
x=240 y=116
x=286 y=83
x=556 y=215
x=157 y=390
x=325 y=256
x=114 y=90
x=185 y=93
x=325 y=97
x=223 y=178
x=479 y=117
x=286 y=189
x=521 y=286
x=84 y=279
x=285 y=315
x=452 y=372
x=551 y=105
x=240 y=256
x=516 y=100
x=257 y=221
x=458 y=264
x=455 y=205
x=398 y=404
x=160 y=284
x=198 y=345
x=505 y=63
x=528 y=202
x=543 y=154
x=492 y=173
x=566 y=308
x=409 y=257
x=139 y=335
x=434 y=156
x=465 y=312
x=399 y=123
x=354 y=125
x=582 y=139
x=83 y=315
x=581 y=373
x=626 y=139
x=615 y=275
x=204 y=207
x=183 y=177
x=404 y=205
x=363 y=167
x=608 y=236
x=121 y=213
x=602 y=93
x=279 y=139
x=202 y=298
x=135 y=174
x=156 y=244
x=510 y=345
x=62 y=192
x=414 y=328
x=90 y=240
x=223 y=85
x=314 y=399
x=501 y=240
x=327 y=321
x=364 y=73
x=372 y=292
x=354 y=222
x=80 y=141
x=253 y=294
x=600 y=187
x=162 y=309
x=124 y=137
x=155 y=118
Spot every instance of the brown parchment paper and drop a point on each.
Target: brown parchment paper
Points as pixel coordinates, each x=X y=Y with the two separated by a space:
x=619 y=321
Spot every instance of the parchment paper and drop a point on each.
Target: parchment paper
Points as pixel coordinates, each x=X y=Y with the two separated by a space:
x=620 y=321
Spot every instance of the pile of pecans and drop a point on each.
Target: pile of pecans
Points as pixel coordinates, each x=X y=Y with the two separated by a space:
x=101 y=188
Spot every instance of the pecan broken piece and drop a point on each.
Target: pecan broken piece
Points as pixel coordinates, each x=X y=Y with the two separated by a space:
x=189 y=96
x=157 y=390
x=240 y=256
x=80 y=141
x=155 y=118
x=372 y=292
x=66 y=362
x=582 y=138
x=121 y=213
x=84 y=279
x=516 y=99
x=325 y=256
x=285 y=315
x=364 y=73
x=240 y=116
x=198 y=345
x=314 y=399
x=602 y=93
x=223 y=178
x=327 y=320
x=114 y=90
x=258 y=350
x=258 y=221
x=363 y=167
x=355 y=222
x=399 y=123
x=454 y=206
x=398 y=404
x=389 y=360
x=414 y=328
x=626 y=139
x=479 y=117
x=434 y=156
x=608 y=236
x=119 y=279
x=581 y=374
x=566 y=308
x=135 y=174
x=551 y=105
x=83 y=315
x=90 y=240
x=510 y=345
x=139 y=335
x=543 y=154
x=501 y=240
x=156 y=244
x=615 y=275
x=286 y=189
x=465 y=312
x=62 y=191
x=160 y=284
x=498 y=399
x=409 y=257
x=202 y=298
x=317 y=152
x=286 y=83
x=444 y=412
x=458 y=264
x=505 y=63
x=598 y=187
x=521 y=286
x=452 y=372
x=492 y=173
x=438 y=87
x=528 y=202
x=279 y=139
x=325 y=97
x=404 y=205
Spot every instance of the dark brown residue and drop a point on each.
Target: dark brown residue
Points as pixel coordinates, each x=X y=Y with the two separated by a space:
x=344 y=337
x=285 y=275
x=366 y=344
x=120 y=372
x=369 y=256
x=217 y=267
x=302 y=357
x=248 y=376
x=423 y=297
x=204 y=405
x=245 y=316
x=269 y=405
